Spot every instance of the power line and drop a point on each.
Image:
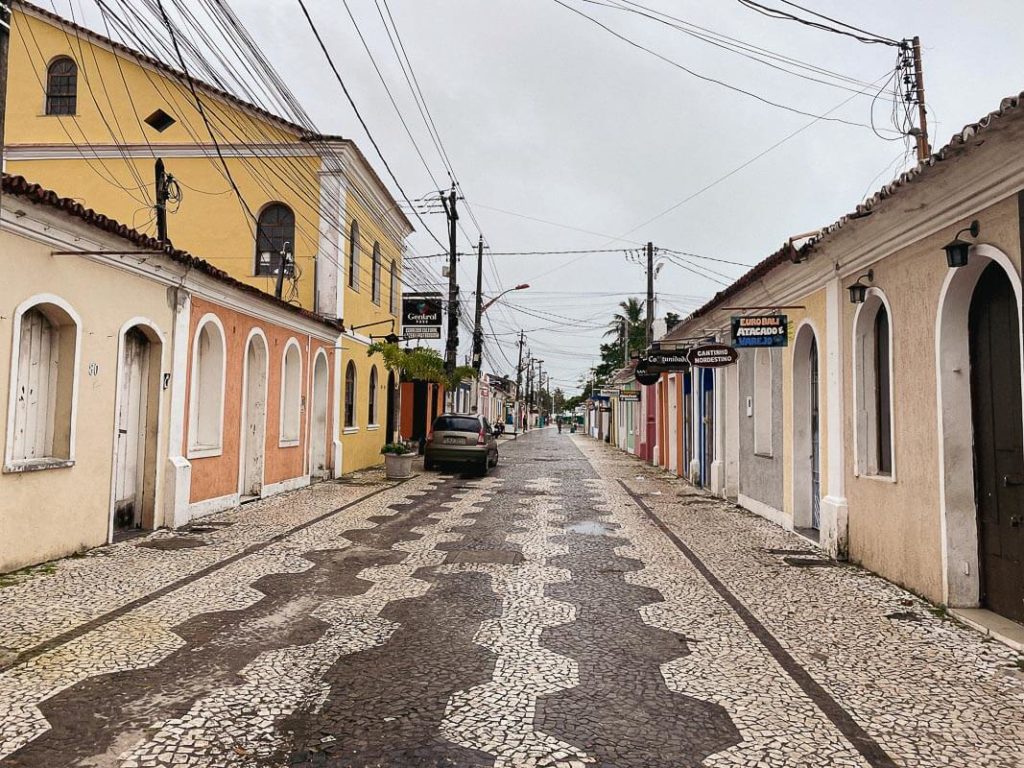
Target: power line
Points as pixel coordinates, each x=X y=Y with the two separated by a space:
x=776 y=13
x=707 y=78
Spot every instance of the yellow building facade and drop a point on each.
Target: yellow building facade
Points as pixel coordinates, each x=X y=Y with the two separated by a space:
x=89 y=118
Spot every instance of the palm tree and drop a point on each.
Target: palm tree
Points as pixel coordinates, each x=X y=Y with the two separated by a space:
x=632 y=310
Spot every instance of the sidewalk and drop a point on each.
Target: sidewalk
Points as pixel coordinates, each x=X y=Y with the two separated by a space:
x=40 y=603
x=921 y=684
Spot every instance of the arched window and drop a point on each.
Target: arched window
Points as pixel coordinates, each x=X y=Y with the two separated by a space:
x=291 y=394
x=375 y=292
x=350 y=395
x=372 y=412
x=275 y=232
x=62 y=87
x=43 y=388
x=206 y=404
x=353 y=255
x=763 y=402
x=873 y=384
x=393 y=294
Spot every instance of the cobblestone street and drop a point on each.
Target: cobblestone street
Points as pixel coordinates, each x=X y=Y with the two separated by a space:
x=572 y=608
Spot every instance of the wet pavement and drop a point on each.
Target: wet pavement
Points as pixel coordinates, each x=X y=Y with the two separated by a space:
x=572 y=608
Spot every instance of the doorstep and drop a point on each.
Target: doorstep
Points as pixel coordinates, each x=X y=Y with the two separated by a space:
x=998 y=627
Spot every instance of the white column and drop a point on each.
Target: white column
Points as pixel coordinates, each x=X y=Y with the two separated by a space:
x=834 y=509
x=338 y=407
x=178 y=478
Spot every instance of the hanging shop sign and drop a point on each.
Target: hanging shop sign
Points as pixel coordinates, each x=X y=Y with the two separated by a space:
x=608 y=392
x=712 y=356
x=646 y=372
x=669 y=360
x=629 y=397
x=760 y=331
x=421 y=310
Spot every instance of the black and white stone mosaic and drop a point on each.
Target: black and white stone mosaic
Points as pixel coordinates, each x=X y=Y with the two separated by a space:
x=574 y=608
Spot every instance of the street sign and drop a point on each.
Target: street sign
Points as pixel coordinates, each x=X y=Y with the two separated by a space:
x=422 y=332
x=629 y=397
x=760 y=331
x=712 y=356
x=668 y=360
x=422 y=310
x=608 y=392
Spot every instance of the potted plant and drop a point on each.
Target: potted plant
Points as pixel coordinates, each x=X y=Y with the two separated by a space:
x=397 y=461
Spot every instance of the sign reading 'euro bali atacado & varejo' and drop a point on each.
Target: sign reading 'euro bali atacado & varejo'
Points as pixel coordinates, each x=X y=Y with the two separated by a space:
x=760 y=331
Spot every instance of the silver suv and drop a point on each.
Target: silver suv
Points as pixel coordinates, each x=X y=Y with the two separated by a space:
x=461 y=439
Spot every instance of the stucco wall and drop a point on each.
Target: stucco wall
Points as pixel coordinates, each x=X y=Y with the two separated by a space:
x=760 y=476
x=895 y=524
x=217 y=476
x=52 y=513
x=210 y=222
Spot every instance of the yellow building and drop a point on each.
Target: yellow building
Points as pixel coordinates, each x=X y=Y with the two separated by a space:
x=89 y=117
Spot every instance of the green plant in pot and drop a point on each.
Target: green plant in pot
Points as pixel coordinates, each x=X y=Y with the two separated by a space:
x=397 y=461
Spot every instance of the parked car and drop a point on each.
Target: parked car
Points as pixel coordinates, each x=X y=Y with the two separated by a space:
x=461 y=439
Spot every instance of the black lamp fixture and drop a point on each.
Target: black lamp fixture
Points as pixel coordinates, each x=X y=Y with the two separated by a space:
x=859 y=291
x=958 y=250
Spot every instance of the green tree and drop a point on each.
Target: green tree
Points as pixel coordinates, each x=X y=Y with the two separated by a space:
x=421 y=363
x=672 y=320
x=630 y=315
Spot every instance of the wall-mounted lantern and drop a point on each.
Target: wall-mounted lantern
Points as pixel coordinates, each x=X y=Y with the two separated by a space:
x=958 y=250
x=859 y=291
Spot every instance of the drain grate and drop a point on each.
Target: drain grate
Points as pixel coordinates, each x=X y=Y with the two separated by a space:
x=170 y=544
x=810 y=562
x=904 y=616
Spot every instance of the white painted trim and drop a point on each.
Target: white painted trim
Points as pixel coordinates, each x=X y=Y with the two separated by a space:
x=859 y=470
x=37 y=152
x=292 y=484
x=372 y=427
x=243 y=405
x=351 y=430
x=766 y=511
x=961 y=589
x=51 y=228
x=118 y=379
x=290 y=442
x=336 y=393
x=196 y=451
x=19 y=312
x=311 y=406
x=212 y=506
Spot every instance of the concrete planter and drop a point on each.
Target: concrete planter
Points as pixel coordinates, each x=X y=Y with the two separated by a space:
x=398 y=467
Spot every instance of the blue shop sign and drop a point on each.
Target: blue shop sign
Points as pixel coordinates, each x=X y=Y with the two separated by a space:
x=760 y=331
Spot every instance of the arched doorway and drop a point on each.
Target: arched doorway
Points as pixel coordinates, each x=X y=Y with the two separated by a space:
x=707 y=423
x=254 y=417
x=981 y=466
x=318 y=428
x=806 y=433
x=392 y=405
x=994 y=333
x=138 y=411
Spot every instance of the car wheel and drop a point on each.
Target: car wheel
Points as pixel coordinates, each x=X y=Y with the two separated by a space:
x=484 y=466
x=495 y=462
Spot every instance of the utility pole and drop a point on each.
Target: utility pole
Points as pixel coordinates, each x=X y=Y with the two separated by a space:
x=924 y=149
x=5 y=39
x=451 y=349
x=161 y=201
x=282 y=267
x=625 y=342
x=650 y=293
x=519 y=380
x=478 y=331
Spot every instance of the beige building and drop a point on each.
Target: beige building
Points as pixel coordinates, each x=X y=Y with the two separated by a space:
x=889 y=429
x=144 y=387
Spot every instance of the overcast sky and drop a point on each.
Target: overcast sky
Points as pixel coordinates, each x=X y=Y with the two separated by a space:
x=548 y=116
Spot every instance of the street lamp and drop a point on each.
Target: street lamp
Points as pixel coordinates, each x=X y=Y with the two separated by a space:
x=478 y=331
x=520 y=287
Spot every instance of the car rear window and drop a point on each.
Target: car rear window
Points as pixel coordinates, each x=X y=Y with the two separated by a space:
x=456 y=424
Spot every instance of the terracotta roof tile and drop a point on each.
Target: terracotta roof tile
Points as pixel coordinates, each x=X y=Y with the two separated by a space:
x=18 y=186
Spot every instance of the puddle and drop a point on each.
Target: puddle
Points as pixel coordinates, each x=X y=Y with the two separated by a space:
x=590 y=528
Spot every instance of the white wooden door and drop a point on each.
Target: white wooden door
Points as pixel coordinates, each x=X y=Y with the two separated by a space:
x=255 y=417
x=318 y=433
x=673 y=427
x=132 y=417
